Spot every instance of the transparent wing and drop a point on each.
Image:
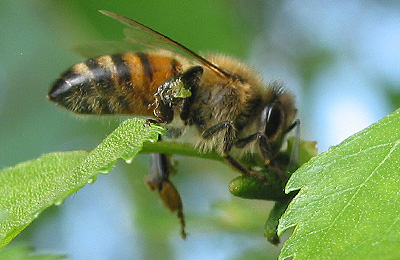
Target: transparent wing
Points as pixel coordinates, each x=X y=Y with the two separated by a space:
x=99 y=48
x=141 y=35
x=138 y=38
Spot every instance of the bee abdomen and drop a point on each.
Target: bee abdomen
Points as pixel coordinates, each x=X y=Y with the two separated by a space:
x=114 y=84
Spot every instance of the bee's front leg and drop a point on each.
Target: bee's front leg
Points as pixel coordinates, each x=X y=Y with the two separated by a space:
x=264 y=145
x=265 y=150
x=228 y=142
x=179 y=90
x=158 y=179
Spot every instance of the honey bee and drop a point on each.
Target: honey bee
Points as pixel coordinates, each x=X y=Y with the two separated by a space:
x=229 y=109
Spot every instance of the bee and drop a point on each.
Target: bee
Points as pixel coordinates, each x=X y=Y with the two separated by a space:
x=229 y=109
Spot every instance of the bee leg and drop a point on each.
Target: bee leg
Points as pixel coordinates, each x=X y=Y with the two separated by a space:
x=296 y=123
x=228 y=143
x=294 y=156
x=208 y=133
x=171 y=94
x=263 y=145
x=191 y=79
x=158 y=179
x=265 y=149
x=241 y=168
x=163 y=114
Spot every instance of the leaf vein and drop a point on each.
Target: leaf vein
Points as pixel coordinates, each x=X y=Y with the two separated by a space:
x=361 y=186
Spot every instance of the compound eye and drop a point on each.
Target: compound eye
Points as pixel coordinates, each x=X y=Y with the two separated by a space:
x=273 y=122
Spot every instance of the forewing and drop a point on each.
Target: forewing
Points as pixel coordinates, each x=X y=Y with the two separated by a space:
x=141 y=35
x=99 y=48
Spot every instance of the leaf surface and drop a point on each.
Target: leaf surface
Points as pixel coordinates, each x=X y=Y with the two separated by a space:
x=21 y=251
x=348 y=206
x=30 y=187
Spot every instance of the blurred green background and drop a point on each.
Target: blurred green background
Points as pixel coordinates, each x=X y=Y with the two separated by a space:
x=341 y=59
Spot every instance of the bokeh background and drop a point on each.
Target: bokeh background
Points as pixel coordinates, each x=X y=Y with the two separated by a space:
x=341 y=59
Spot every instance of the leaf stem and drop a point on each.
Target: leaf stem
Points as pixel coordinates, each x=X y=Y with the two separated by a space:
x=178 y=148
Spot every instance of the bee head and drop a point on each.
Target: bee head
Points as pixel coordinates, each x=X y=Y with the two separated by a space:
x=273 y=119
x=277 y=118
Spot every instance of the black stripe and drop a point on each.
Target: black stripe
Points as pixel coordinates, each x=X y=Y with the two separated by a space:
x=103 y=86
x=105 y=106
x=123 y=71
x=144 y=58
x=102 y=80
x=124 y=103
x=124 y=81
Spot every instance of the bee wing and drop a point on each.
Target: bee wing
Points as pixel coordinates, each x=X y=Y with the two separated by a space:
x=100 y=48
x=140 y=34
x=141 y=38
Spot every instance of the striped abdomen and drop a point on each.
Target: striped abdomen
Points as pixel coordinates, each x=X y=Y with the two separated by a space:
x=114 y=84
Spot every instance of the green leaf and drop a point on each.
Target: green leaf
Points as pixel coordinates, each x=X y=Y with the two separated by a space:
x=348 y=206
x=30 y=187
x=24 y=252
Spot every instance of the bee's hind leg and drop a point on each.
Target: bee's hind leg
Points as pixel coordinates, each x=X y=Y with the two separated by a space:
x=158 y=179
